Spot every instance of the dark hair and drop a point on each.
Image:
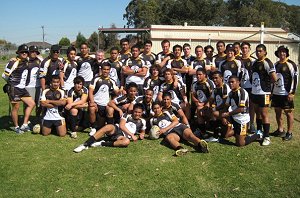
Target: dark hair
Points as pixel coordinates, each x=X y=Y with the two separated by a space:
x=105 y=63
x=201 y=69
x=138 y=106
x=135 y=47
x=55 y=77
x=220 y=42
x=114 y=48
x=186 y=45
x=166 y=93
x=154 y=67
x=148 y=42
x=177 y=46
x=150 y=89
x=245 y=43
x=71 y=48
x=198 y=46
x=208 y=47
x=237 y=43
x=157 y=103
x=84 y=44
x=261 y=46
x=124 y=40
x=218 y=73
x=234 y=77
x=132 y=84
x=78 y=79
x=169 y=70
x=165 y=41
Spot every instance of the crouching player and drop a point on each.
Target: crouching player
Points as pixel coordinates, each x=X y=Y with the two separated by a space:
x=237 y=103
x=52 y=99
x=175 y=131
x=76 y=103
x=119 y=135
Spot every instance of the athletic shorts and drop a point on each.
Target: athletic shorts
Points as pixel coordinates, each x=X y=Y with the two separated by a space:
x=117 y=133
x=249 y=91
x=261 y=100
x=178 y=130
x=239 y=129
x=282 y=102
x=15 y=94
x=50 y=123
x=101 y=111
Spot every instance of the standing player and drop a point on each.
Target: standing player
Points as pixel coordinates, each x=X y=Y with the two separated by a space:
x=163 y=57
x=284 y=91
x=173 y=131
x=98 y=61
x=147 y=54
x=199 y=62
x=221 y=56
x=119 y=135
x=237 y=50
x=125 y=50
x=263 y=75
x=209 y=60
x=189 y=59
x=237 y=103
x=15 y=73
x=69 y=72
x=51 y=99
x=76 y=103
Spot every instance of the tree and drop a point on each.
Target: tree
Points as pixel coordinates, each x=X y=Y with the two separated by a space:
x=111 y=39
x=79 y=40
x=93 y=42
x=64 y=41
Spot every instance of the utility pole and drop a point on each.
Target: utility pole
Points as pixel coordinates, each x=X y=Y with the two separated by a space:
x=43 y=36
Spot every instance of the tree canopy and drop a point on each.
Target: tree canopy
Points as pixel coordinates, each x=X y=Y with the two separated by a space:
x=143 y=13
x=64 y=41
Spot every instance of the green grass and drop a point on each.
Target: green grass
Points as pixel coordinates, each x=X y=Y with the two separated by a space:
x=37 y=166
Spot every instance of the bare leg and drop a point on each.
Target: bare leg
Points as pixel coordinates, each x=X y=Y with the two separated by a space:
x=30 y=105
x=173 y=139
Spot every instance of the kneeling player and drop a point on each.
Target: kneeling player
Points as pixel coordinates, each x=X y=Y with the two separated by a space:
x=51 y=99
x=119 y=136
x=238 y=102
x=174 y=131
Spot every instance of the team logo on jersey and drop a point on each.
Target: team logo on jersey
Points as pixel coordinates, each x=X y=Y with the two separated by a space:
x=103 y=88
x=284 y=68
x=219 y=100
x=260 y=68
x=86 y=65
x=139 y=62
x=181 y=64
x=232 y=65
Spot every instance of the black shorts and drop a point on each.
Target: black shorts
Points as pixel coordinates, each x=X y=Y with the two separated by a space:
x=261 y=100
x=249 y=91
x=282 y=102
x=118 y=133
x=101 y=111
x=239 y=129
x=178 y=130
x=50 y=123
x=15 y=94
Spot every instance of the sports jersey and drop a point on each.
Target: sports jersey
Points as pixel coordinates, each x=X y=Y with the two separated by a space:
x=173 y=109
x=202 y=90
x=133 y=125
x=49 y=68
x=175 y=92
x=151 y=58
x=287 y=78
x=103 y=87
x=163 y=120
x=123 y=99
x=229 y=68
x=76 y=95
x=147 y=106
x=179 y=64
x=33 y=73
x=220 y=95
x=219 y=59
x=115 y=70
x=153 y=84
x=236 y=99
x=84 y=67
x=246 y=72
x=159 y=58
x=16 y=72
x=260 y=79
x=49 y=94
x=196 y=64
x=189 y=59
x=124 y=56
x=70 y=72
x=135 y=64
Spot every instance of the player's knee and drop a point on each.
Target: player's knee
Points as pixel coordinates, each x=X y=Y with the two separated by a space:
x=125 y=142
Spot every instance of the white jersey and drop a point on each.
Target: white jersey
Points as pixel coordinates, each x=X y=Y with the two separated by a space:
x=135 y=64
x=52 y=113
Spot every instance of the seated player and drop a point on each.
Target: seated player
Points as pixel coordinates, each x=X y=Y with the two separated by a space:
x=173 y=131
x=238 y=113
x=76 y=103
x=120 y=104
x=53 y=98
x=119 y=135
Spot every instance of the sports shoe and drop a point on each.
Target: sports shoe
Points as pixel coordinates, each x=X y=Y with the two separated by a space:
x=212 y=139
x=260 y=133
x=252 y=128
x=266 y=141
x=97 y=144
x=278 y=133
x=25 y=127
x=18 y=130
x=74 y=135
x=288 y=136
x=80 y=148
x=92 y=132
x=203 y=146
x=181 y=152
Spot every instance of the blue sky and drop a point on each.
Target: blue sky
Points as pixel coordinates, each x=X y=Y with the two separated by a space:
x=21 y=21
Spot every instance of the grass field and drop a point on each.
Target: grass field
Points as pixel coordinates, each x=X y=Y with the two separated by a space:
x=37 y=166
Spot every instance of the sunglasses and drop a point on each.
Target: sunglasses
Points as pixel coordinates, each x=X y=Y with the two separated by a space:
x=55 y=52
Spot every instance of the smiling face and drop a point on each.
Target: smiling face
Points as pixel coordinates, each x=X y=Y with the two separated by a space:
x=157 y=109
x=135 y=52
x=165 y=47
x=199 y=52
x=105 y=71
x=137 y=113
x=72 y=55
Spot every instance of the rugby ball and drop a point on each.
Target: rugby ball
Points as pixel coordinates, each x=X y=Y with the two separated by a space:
x=36 y=129
x=154 y=132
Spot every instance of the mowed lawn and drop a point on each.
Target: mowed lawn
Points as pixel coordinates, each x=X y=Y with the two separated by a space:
x=36 y=166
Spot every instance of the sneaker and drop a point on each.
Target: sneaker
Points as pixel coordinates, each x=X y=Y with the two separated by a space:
x=288 y=136
x=266 y=141
x=212 y=139
x=74 y=135
x=92 y=132
x=203 y=146
x=18 y=130
x=25 y=127
x=278 y=133
x=97 y=144
x=80 y=148
x=181 y=152
x=252 y=128
x=260 y=133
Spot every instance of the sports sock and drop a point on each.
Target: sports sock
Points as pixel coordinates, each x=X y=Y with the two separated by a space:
x=73 y=120
x=90 y=141
x=259 y=124
x=251 y=138
x=108 y=143
x=266 y=129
